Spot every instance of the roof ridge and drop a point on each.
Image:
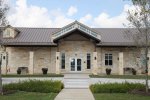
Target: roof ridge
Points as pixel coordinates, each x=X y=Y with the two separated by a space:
x=36 y=27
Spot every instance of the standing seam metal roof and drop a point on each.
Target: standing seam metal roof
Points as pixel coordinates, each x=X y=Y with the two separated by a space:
x=42 y=36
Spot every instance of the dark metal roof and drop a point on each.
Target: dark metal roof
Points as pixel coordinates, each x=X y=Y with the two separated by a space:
x=42 y=36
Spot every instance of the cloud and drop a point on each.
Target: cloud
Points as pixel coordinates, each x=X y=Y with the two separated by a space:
x=104 y=20
x=24 y=15
x=72 y=10
x=86 y=18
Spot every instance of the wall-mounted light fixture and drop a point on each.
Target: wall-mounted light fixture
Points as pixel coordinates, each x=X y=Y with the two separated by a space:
x=95 y=58
x=147 y=58
x=118 y=58
x=57 y=57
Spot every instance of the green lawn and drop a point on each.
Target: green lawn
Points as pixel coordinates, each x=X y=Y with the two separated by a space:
x=29 y=96
x=35 y=75
x=119 y=96
x=120 y=76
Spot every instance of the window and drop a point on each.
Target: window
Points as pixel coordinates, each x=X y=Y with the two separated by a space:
x=88 y=61
x=63 y=61
x=7 y=33
x=108 y=59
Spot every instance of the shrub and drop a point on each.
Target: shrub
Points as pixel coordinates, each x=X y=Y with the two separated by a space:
x=35 y=86
x=44 y=70
x=108 y=71
x=115 y=87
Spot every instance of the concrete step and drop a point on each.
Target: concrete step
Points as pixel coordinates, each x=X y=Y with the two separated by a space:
x=76 y=83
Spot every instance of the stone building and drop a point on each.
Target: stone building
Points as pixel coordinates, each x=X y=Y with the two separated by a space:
x=75 y=48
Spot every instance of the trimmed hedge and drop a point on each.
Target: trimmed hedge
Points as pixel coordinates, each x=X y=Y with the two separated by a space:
x=35 y=86
x=115 y=87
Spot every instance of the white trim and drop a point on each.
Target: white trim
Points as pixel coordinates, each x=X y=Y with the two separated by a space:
x=75 y=64
x=79 y=26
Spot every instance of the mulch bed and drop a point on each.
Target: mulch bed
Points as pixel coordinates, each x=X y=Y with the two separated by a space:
x=140 y=92
x=6 y=92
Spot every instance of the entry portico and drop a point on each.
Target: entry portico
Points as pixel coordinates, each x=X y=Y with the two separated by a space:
x=76 y=43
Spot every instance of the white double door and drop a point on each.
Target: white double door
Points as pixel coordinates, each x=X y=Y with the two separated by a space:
x=75 y=64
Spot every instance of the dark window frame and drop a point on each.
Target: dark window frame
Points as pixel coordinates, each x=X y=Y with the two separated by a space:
x=108 y=59
x=63 y=61
x=88 y=61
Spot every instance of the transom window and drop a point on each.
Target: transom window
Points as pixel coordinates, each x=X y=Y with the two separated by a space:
x=63 y=61
x=108 y=59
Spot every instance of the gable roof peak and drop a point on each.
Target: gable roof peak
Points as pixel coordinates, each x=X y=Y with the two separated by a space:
x=79 y=26
x=9 y=26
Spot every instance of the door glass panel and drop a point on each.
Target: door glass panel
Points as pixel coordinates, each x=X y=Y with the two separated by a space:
x=72 y=64
x=78 y=64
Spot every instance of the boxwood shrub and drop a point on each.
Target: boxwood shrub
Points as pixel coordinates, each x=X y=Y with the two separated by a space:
x=115 y=87
x=45 y=86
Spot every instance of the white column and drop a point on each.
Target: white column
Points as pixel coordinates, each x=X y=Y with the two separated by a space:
x=95 y=67
x=4 y=59
x=120 y=63
x=31 y=62
x=57 y=62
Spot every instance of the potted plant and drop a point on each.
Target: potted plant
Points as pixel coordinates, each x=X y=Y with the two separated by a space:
x=108 y=71
x=19 y=71
x=44 y=70
x=133 y=71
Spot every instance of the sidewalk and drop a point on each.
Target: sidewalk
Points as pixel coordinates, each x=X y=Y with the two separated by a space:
x=75 y=94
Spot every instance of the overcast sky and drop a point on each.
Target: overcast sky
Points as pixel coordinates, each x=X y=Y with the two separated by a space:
x=58 y=13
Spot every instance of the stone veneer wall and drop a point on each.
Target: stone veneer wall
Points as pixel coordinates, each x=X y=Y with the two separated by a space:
x=19 y=57
x=77 y=49
x=129 y=59
x=46 y=56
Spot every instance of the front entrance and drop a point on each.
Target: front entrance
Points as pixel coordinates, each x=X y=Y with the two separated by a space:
x=75 y=64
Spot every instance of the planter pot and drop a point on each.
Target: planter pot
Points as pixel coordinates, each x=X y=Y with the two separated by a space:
x=108 y=71
x=133 y=71
x=18 y=72
x=44 y=70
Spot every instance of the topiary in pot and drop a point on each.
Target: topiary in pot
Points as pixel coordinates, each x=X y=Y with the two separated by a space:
x=44 y=70
x=133 y=71
x=108 y=71
x=19 y=71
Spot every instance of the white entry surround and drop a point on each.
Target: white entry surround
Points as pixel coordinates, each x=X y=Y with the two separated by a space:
x=57 y=62
x=121 y=63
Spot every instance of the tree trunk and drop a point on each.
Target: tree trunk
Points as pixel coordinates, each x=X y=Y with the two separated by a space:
x=146 y=70
x=1 y=88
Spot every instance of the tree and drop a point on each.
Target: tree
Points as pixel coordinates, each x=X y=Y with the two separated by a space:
x=3 y=22
x=139 y=18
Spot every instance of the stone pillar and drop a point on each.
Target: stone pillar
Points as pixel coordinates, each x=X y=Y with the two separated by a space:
x=95 y=67
x=57 y=62
x=31 y=62
x=121 y=63
x=4 y=59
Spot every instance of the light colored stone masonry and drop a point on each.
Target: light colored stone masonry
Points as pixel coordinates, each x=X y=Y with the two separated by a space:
x=46 y=57
x=74 y=46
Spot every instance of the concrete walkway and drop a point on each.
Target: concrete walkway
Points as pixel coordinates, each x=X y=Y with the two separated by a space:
x=76 y=88
x=75 y=94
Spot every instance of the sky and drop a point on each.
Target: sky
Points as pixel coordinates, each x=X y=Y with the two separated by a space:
x=58 y=13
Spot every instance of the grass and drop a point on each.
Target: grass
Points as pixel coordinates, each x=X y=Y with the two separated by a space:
x=119 y=96
x=35 y=75
x=120 y=76
x=29 y=96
